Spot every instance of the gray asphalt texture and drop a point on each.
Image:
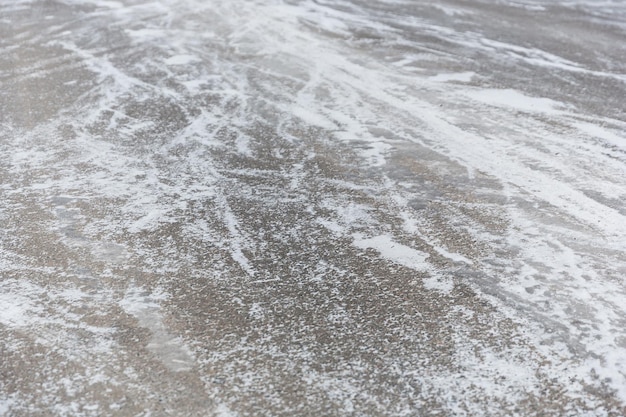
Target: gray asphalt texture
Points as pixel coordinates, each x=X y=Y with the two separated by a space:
x=312 y=208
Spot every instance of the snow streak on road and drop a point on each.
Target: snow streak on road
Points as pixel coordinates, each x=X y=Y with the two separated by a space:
x=312 y=207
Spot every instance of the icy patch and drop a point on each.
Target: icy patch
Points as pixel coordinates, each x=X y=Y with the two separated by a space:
x=109 y=252
x=168 y=348
x=70 y=225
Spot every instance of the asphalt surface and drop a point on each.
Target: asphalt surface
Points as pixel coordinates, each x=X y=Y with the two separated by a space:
x=312 y=208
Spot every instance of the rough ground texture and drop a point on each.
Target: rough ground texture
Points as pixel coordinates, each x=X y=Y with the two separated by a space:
x=312 y=208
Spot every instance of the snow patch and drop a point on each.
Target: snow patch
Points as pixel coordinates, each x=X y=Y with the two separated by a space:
x=463 y=77
x=20 y=303
x=184 y=59
x=602 y=133
x=393 y=251
x=438 y=283
x=513 y=99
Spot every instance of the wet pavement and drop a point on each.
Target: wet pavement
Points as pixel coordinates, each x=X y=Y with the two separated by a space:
x=312 y=208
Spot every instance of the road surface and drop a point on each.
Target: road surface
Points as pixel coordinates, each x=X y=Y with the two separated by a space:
x=312 y=208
